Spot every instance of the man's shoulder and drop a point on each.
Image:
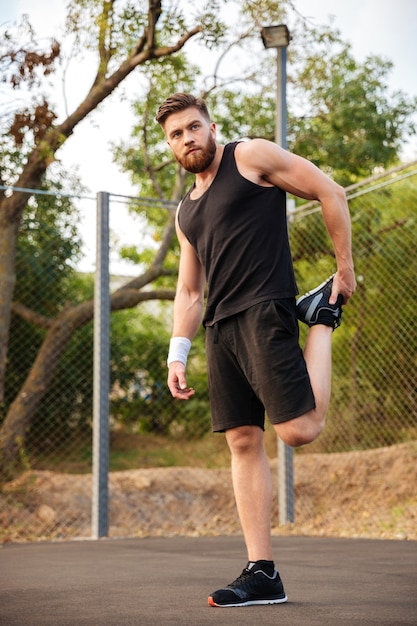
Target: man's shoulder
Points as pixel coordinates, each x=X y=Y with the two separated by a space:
x=253 y=156
x=257 y=143
x=253 y=147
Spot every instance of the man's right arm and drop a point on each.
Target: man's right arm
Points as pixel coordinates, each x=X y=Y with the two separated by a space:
x=188 y=310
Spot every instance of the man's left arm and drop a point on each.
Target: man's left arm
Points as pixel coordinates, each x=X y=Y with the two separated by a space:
x=302 y=178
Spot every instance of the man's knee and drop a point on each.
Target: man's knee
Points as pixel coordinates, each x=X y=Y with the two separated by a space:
x=244 y=439
x=299 y=431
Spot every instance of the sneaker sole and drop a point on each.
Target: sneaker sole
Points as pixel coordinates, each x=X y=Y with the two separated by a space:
x=307 y=316
x=315 y=290
x=249 y=603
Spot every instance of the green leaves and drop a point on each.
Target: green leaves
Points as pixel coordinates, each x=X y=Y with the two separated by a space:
x=348 y=123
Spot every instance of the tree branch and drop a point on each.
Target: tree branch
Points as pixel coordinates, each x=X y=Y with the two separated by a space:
x=104 y=48
x=128 y=298
x=154 y=13
x=44 y=154
x=31 y=316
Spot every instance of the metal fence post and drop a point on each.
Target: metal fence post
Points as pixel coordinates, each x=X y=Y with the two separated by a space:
x=285 y=483
x=101 y=371
x=285 y=453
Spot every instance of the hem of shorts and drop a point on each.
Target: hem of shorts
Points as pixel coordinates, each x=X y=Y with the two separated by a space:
x=223 y=427
x=293 y=416
x=281 y=420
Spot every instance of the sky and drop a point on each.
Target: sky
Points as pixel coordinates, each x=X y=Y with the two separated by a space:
x=381 y=27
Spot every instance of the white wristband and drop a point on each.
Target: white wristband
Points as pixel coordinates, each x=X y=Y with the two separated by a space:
x=179 y=348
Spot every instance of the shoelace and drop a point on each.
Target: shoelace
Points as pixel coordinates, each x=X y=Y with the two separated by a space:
x=247 y=573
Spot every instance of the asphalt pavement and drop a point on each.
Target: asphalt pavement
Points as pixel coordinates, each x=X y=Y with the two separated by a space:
x=166 y=581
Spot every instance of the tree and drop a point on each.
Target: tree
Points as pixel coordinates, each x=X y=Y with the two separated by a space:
x=124 y=41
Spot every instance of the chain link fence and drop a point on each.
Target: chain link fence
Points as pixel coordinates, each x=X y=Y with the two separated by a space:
x=47 y=413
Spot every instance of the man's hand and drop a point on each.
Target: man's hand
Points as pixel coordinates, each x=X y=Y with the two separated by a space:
x=177 y=382
x=344 y=283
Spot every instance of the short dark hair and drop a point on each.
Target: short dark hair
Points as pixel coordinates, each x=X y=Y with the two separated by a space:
x=179 y=102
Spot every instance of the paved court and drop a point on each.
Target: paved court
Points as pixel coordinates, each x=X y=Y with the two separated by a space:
x=164 y=581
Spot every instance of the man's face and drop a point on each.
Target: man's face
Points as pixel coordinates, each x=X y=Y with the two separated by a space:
x=192 y=139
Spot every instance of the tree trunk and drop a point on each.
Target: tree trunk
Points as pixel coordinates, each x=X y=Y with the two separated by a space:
x=8 y=239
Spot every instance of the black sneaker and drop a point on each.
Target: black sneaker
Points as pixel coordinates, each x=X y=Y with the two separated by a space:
x=253 y=586
x=314 y=308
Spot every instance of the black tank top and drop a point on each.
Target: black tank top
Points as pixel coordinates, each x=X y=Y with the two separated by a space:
x=238 y=230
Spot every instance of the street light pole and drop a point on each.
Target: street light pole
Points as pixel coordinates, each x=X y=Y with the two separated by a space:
x=279 y=37
x=281 y=99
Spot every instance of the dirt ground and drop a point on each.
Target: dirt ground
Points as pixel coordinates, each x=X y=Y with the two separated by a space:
x=353 y=494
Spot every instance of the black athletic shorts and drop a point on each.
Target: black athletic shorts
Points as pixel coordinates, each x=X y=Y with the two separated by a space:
x=255 y=365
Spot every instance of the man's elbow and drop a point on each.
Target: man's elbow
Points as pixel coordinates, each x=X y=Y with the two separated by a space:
x=333 y=195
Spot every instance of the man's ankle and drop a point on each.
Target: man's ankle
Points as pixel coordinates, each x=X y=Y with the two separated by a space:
x=261 y=564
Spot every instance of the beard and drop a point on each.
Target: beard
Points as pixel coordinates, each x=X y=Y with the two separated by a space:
x=199 y=161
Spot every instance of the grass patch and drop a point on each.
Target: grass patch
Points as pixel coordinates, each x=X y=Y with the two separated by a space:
x=134 y=451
